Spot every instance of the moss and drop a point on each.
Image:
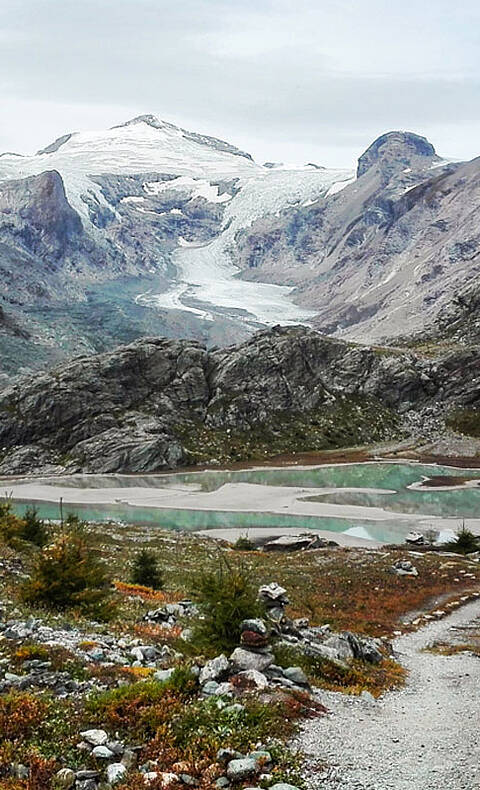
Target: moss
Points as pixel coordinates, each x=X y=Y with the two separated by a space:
x=466 y=421
x=346 y=423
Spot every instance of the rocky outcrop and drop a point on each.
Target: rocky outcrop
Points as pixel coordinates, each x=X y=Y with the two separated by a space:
x=386 y=255
x=139 y=408
x=395 y=150
x=109 y=214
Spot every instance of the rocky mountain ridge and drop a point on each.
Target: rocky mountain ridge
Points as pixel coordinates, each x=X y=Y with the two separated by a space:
x=158 y=403
x=147 y=229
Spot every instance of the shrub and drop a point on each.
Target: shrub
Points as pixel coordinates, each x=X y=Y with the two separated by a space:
x=145 y=570
x=20 y=714
x=465 y=542
x=226 y=596
x=243 y=543
x=144 y=706
x=9 y=523
x=32 y=528
x=68 y=575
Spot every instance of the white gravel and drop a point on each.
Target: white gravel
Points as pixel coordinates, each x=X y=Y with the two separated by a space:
x=424 y=737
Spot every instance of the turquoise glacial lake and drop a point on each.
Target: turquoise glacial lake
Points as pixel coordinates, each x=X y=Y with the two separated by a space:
x=377 y=485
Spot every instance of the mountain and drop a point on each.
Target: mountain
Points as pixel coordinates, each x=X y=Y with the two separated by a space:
x=148 y=229
x=383 y=257
x=158 y=403
x=153 y=211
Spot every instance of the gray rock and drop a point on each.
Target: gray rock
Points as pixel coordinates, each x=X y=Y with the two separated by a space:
x=210 y=688
x=257 y=626
x=103 y=753
x=241 y=769
x=244 y=659
x=65 y=778
x=163 y=674
x=116 y=772
x=95 y=737
x=252 y=678
x=296 y=675
x=404 y=568
x=261 y=756
x=225 y=756
x=215 y=669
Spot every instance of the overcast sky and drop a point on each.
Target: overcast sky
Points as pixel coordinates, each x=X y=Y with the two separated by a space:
x=287 y=80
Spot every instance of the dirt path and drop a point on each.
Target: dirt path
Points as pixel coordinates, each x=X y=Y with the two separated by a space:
x=424 y=737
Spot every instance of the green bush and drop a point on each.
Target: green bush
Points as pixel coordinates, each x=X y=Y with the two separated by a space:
x=9 y=523
x=68 y=574
x=145 y=570
x=465 y=542
x=33 y=529
x=226 y=595
x=244 y=544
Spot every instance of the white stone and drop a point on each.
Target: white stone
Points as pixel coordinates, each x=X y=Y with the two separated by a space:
x=95 y=737
x=116 y=772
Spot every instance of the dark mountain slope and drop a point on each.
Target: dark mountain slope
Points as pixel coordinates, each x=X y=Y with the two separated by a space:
x=159 y=403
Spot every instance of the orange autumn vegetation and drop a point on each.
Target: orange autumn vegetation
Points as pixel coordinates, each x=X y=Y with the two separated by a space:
x=41 y=775
x=355 y=590
x=156 y=634
x=146 y=593
x=20 y=713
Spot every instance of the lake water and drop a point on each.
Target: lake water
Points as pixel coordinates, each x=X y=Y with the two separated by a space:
x=381 y=506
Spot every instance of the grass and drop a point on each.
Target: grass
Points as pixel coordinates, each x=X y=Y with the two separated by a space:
x=350 y=588
x=472 y=645
x=348 y=422
x=358 y=676
x=466 y=421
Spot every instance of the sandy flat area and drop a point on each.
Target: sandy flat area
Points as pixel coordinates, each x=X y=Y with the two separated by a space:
x=243 y=498
x=235 y=497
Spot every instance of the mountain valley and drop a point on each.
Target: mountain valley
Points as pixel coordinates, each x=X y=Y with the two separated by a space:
x=147 y=229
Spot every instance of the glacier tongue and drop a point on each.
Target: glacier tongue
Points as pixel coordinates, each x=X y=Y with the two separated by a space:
x=207 y=279
x=207 y=283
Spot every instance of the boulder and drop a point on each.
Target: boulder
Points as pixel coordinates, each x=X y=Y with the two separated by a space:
x=404 y=568
x=415 y=538
x=116 y=772
x=65 y=778
x=242 y=659
x=163 y=674
x=296 y=675
x=237 y=770
x=103 y=753
x=95 y=737
x=215 y=669
x=257 y=625
x=273 y=595
x=251 y=679
x=252 y=639
x=297 y=543
x=225 y=756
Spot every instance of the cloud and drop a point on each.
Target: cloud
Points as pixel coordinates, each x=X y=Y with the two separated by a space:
x=318 y=80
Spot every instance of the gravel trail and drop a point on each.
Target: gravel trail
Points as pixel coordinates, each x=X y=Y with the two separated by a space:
x=424 y=737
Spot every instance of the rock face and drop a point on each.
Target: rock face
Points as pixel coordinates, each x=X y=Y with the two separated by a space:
x=137 y=409
x=386 y=255
x=393 y=149
x=112 y=236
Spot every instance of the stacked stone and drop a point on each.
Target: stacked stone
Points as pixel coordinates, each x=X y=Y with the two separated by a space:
x=274 y=598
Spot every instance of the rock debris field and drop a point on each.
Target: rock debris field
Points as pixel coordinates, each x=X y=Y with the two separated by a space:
x=424 y=737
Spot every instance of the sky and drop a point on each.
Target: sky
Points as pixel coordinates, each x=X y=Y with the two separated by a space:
x=297 y=81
